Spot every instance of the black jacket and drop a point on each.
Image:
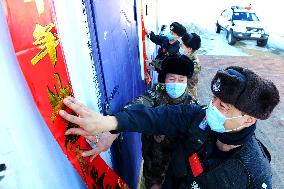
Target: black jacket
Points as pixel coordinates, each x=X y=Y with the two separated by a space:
x=244 y=167
x=166 y=49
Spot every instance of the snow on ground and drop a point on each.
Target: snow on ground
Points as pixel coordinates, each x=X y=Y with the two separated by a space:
x=204 y=13
x=216 y=44
x=213 y=43
x=276 y=41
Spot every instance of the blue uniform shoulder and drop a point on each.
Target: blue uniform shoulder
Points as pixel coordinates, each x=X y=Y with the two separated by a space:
x=256 y=163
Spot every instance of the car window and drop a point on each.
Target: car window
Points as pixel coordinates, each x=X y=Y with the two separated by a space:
x=227 y=14
x=245 y=16
x=223 y=13
x=253 y=17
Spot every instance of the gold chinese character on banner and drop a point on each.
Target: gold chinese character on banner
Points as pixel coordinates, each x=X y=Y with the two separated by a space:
x=47 y=43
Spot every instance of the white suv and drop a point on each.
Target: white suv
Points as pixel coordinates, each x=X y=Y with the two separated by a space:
x=240 y=23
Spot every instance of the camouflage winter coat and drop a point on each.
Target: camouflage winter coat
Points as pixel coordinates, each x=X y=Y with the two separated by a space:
x=156 y=149
x=192 y=82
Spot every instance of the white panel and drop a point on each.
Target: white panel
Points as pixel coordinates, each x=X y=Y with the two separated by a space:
x=33 y=158
x=150 y=22
x=74 y=35
x=139 y=26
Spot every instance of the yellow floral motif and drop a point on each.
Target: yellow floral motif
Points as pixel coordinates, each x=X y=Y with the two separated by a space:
x=83 y=164
x=55 y=99
x=47 y=43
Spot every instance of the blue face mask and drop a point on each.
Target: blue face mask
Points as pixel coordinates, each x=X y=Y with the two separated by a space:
x=170 y=36
x=175 y=90
x=181 y=51
x=216 y=119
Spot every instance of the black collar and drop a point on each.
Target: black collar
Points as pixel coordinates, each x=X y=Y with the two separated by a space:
x=237 y=138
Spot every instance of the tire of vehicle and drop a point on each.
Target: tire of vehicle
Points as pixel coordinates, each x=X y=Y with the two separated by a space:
x=261 y=43
x=230 y=37
x=218 y=28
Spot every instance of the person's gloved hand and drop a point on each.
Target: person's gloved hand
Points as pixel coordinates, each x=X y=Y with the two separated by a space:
x=102 y=141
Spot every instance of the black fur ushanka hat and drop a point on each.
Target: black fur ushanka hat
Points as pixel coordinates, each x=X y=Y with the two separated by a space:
x=192 y=41
x=180 y=65
x=178 y=28
x=247 y=91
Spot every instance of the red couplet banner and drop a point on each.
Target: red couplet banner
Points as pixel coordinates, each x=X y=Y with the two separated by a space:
x=37 y=46
x=146 y=73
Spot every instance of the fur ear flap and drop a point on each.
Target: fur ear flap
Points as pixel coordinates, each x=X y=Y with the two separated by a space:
x=266 y=99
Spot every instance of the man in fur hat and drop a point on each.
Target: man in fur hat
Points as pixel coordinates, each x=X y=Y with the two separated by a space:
x=156 y=149
x=169 y=44
x=189 y=45
x=217 y=146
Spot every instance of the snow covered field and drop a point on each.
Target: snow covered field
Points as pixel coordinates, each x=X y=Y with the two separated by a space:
x=204 y=13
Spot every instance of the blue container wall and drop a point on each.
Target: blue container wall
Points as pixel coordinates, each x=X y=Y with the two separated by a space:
x=114 y=40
